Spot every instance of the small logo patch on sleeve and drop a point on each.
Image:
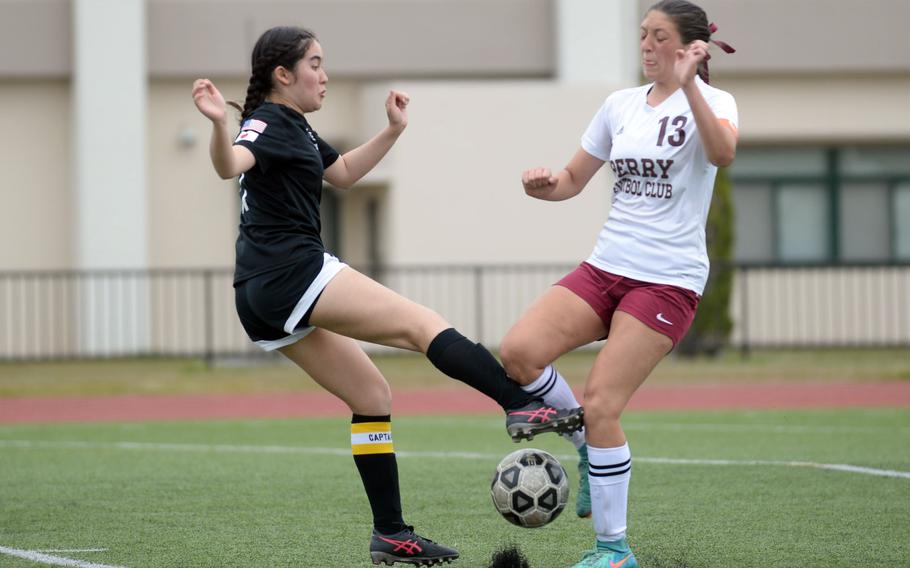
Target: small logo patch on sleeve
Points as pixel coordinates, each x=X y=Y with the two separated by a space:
x=248 y=135
x=254 y=125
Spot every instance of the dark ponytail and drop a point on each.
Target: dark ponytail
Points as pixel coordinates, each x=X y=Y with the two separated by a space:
x=692 y=24
x=282 y=46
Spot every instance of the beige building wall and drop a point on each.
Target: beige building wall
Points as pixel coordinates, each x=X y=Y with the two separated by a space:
x=455 y=194
x=810 y=36
x=466 y=38
x=455 y=171
x=483 y=110
x=821 y=108
x=36 y=187
x=362 y=38
x=458 y=158
x=469 y=140
x=192 y=212
x=449 y=191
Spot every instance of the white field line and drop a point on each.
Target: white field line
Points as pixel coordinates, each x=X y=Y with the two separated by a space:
x=831 y=466
x=73 y=550
x=769 y=428
x=229 y=448
x=41 y=558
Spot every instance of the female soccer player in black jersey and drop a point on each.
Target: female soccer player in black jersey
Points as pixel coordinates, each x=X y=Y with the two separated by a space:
x=293 y=296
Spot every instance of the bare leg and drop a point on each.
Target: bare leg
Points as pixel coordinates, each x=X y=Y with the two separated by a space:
x=356 y=306
x=338 y=364
x=623 y=364
x=341 y=367
x=558 y=322
x=631 y=353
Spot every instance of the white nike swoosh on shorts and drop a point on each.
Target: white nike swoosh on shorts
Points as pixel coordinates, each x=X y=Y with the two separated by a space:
x=662 y=319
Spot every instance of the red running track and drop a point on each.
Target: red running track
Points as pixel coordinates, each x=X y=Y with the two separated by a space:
x=135 y=408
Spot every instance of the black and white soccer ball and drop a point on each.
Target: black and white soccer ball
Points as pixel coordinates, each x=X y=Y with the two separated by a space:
x=530 y=488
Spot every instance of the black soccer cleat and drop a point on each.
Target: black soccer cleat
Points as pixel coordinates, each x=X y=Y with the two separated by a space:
x=538 y=417
x=408 y=547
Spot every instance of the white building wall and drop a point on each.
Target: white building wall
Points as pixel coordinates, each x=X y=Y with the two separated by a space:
x=110 y=167
x=109 y=134
x=596 y=40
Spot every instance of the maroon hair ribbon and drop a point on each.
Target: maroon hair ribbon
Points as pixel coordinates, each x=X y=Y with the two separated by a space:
x=712 y=27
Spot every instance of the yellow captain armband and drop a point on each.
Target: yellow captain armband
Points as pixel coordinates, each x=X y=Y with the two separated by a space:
x=371 y=438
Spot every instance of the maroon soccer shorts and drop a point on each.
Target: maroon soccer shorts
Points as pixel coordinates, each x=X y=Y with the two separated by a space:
x=666 y=309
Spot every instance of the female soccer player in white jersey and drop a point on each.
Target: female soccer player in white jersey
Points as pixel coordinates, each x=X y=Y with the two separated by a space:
x=642 y=283
x=293 y=296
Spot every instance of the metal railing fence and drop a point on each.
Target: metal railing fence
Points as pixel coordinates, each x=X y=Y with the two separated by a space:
x=47 y=315
x=821 y=306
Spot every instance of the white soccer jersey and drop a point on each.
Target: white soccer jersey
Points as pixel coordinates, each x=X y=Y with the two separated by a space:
x=656 y=228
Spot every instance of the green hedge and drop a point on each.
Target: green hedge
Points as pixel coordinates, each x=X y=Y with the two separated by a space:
x=710 y=332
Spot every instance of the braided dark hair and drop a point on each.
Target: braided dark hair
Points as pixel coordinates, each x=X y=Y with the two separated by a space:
x=692 y=24
x=282 y=46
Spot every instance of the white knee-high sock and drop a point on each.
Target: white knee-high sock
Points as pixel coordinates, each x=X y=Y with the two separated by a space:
x=609 y=471
x=555 y=391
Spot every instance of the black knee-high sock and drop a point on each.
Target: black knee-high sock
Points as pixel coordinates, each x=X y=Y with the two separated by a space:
x=471 y=363
x=371 y=444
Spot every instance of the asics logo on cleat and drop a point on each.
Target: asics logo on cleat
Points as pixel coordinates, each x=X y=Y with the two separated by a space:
x=541 y=414
x=408 y=546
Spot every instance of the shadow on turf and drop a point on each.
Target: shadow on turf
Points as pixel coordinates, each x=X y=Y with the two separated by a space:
x=509 y=557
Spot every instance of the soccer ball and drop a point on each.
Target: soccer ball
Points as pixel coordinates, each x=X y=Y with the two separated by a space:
x=530 y=488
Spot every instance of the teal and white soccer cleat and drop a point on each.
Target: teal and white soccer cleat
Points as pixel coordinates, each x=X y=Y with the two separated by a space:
x=615 y=554
x=583 y=496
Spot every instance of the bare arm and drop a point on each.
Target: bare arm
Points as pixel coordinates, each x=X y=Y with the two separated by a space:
x=356 y=163
x=229 y=160
x=541 y=184
x=717 y=137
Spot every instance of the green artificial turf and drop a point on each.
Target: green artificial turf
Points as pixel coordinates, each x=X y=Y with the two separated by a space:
x=286 y=493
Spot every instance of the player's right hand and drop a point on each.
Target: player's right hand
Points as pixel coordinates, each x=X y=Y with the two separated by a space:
x=538 y=180
x=209 y=101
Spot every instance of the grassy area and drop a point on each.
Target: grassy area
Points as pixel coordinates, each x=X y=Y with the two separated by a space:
x=168 y=376
x=225 y=494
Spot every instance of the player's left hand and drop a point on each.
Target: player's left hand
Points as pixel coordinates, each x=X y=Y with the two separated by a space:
x=209 y=100
x=687 y=60
x=396 y=106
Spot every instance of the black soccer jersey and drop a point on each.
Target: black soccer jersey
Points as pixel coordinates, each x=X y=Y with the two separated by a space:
x=280 y=195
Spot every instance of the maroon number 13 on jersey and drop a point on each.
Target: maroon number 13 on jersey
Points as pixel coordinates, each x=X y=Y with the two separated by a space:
x=678 y=137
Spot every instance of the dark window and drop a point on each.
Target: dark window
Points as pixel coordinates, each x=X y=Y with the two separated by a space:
x=807 y=205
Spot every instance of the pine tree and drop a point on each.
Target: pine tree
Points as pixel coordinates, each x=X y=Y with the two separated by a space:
x=710 y=332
